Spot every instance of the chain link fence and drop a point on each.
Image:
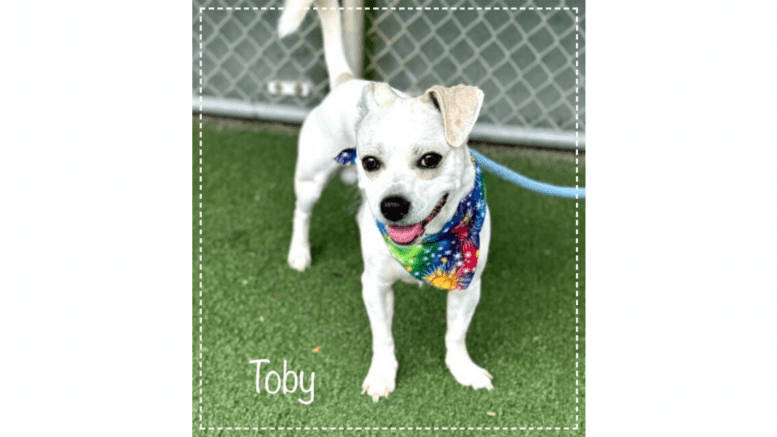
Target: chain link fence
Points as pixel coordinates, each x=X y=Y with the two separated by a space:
x=529 y=60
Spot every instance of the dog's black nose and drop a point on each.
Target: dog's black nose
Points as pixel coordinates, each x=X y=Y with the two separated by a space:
x=394 y=207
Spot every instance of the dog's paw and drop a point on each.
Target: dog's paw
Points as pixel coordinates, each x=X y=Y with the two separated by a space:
x=468 y=373
x=380 y=381
x=299 y=259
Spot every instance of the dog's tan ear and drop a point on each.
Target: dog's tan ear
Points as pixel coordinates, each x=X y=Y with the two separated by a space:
x=460 y=107
x=378 y=94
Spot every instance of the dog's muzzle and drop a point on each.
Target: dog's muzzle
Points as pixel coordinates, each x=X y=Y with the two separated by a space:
x=397 y=207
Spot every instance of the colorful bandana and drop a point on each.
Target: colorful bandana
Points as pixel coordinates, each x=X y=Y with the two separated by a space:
x=347 y=156
x=447 y=259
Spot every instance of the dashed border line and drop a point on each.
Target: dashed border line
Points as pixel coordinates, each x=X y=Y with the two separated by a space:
x=577 y=205
x=386 y=428
x=200 y=219
x=577 y=225
x=395 y=8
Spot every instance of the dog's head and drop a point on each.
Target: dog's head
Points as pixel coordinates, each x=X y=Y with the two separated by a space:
x=412 y=159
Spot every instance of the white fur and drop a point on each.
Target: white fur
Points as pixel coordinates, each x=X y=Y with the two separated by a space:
x=383 y=122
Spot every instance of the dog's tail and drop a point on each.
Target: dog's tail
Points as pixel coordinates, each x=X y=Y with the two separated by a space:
x=329 y=11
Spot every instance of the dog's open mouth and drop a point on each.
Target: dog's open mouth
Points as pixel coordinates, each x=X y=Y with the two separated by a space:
x=408 y=233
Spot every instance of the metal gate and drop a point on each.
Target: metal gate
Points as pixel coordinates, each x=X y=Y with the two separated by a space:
x=529 y=60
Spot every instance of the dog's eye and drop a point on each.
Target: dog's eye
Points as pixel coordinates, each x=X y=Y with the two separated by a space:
x=370 y=163
x=430 y=160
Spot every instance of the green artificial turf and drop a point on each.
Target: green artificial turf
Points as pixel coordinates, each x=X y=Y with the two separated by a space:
x=253 y=306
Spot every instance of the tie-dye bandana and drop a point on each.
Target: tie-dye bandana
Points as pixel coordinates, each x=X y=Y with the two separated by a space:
x=447 y=259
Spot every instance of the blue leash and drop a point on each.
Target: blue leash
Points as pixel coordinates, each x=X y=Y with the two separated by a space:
x=524 y=182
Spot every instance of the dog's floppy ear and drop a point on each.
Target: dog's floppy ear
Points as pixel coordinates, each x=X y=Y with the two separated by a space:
x=378 y=94
x=460 y=107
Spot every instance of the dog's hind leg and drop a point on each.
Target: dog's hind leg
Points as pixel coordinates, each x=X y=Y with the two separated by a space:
x=308 y=191
x=310 y=178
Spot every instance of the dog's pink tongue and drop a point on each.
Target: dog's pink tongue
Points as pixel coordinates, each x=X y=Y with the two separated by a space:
x=405 y=234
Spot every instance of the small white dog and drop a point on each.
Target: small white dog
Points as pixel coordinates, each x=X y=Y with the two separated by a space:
x=423 y=216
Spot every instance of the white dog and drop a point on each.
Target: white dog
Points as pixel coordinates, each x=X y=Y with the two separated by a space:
x=423 y=216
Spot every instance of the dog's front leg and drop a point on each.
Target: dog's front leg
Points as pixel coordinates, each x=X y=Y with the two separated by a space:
x=379 y=301
x=461 y=307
